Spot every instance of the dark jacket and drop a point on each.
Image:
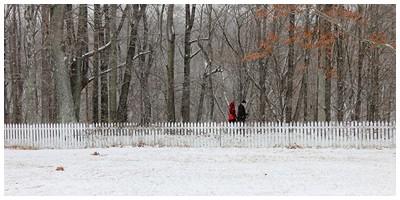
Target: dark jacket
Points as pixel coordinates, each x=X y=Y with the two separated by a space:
x=241 y=116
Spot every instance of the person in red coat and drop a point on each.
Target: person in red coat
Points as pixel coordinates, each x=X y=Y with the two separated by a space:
x=232 y=112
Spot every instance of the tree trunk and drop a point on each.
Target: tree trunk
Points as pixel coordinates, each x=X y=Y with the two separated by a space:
x=316 y=96
x=211 y=102
x=185 y=107
x=373 y=114
x=328 y=68
x=96 y=100
x=306 y=63
x=145 y=71
x=210 y=92
x=105 y=37
x=289 y=77
x=30 y=83
x=113 y=62
x=340 y=74
x=63 y=84
x=170 y=66
x=146 y=89
x=71 y=50
x=373 y=94
x=7 y=66
x=262 y=72
x=122 y=107
x=82 y=42
x=201 y=99
x=47 y=81
x=360 y=63
x=17 y=81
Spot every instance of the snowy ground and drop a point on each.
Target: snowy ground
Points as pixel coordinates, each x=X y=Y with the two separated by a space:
x=200 y=171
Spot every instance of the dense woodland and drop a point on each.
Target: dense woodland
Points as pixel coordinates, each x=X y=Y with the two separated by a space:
x=152 y=63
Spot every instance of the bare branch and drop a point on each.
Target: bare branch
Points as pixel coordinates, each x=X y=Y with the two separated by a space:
x=193 y=55
x=119 y=66
x=197 y=40
x=91 y=53
x=216 y=70
x=121 y=23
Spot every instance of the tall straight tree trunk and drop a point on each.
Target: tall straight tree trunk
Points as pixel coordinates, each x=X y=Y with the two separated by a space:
x=82 y=64
x=113 y=64
x=145 y=71
x=373 y=114
x=17 y=82
x=62 y=79
x=71 y=50
x=189 y=19
x=316 y=96
x=206 y=78
x=360 y=63
x=261 y=71
x=201 y=99
x=328 y=68
x=373 y=94
x=340 y=74
x=146 y=116
x=211 y=102
x=170 y=66
x=30 y=83
x=307 y=41
x=96 y=100
x=105 y=37
x=7 y=55
x=123 y=99
x=46 y=80
x=289 y=77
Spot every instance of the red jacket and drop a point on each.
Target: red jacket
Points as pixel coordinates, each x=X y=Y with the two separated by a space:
x=232 y=112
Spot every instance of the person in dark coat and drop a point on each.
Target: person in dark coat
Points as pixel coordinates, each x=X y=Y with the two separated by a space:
x=232 y=112
x=242 y=115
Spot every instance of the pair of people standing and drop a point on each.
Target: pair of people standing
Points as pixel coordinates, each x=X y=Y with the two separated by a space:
x=241 y=115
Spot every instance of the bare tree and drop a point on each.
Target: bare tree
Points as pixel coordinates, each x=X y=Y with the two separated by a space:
x=63 y=84
x=360 y=64
x=113 y=64
x=105 y=36
x=289 y=76
x=170 y=66
x=307 y=44
x=122 y=107
x=327 y=36
x=340 y=73
x=145 y=66
x=96 y=98
x=16 y=73
x=189 y=20
x=47 y=83
x=31 y=105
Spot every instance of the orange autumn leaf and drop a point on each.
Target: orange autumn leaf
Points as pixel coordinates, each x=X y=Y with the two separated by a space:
x=378 y=38
x=261 y=12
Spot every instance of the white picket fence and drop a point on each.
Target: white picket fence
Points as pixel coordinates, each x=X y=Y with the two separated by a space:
x=252 y=134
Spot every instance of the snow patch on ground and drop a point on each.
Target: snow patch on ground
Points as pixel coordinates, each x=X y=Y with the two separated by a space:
x=200 y=171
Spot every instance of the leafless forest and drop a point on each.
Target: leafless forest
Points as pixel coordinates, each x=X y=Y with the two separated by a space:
x=153 y=63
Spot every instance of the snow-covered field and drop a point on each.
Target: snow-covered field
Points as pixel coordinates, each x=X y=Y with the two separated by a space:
x=200 y=171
